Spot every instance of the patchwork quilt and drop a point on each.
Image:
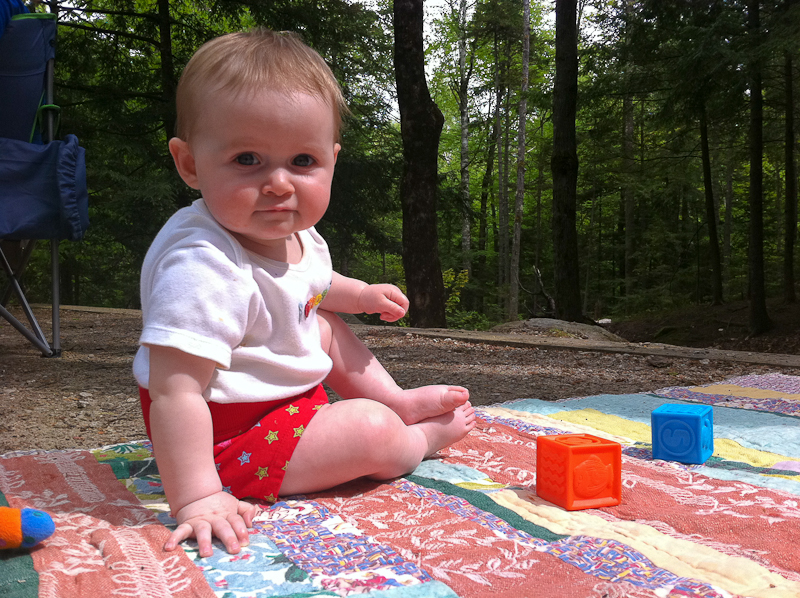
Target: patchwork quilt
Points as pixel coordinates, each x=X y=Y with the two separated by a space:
x=467 y=523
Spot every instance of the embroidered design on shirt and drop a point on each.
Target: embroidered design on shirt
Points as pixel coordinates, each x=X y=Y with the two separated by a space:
x=305 y=310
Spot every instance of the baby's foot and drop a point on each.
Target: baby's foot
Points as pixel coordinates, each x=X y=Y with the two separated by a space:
x=417 y=404
x=443 y=430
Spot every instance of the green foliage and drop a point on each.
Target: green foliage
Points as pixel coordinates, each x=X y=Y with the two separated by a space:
x=116 y=76
x=468 y=320
x=457 y=317
x=454 y=283
x=117 y=67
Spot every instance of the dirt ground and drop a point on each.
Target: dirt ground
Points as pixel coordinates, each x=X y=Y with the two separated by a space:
x=721 y=327
x=87 y=398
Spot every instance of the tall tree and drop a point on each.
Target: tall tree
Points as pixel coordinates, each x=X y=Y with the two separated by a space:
x=711 y=211
x=497 y=26
x=759 y=318
x=421 y=124
x=501 y=98
x=486 y=185
x=790 y=210
x=519 y=197
x=627 y=194
x=564 y=164
x=464 y=74
x=169 y=81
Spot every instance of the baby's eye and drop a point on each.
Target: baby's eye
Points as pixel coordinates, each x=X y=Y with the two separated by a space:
x=247 y=159
x=303 y=160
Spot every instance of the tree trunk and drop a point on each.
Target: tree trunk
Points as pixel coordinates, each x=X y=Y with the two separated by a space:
x=169 y=82
x=628 y=196
x=506 y=186
x=169 y=85
x=564 y=164
x=502 y=191
x=790 y=212
x=537 y=257
x=519 y=198
x=483 y=227
x=486 y=187
x=726 y=231
x=421 y=124
x=711 y=212
x=759 y=319
x=463 y=107
x=590 y=260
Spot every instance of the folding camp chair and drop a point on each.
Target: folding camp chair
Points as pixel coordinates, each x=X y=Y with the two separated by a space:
x=43 y=193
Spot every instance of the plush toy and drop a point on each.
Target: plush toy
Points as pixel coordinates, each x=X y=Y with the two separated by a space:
x=24 y=528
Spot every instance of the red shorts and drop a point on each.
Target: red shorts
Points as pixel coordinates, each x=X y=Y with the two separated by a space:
x=252 y=463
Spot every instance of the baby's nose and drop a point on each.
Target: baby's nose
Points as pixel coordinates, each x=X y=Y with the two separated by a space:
x=279 y=182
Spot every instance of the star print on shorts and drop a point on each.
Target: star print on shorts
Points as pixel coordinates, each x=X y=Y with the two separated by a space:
x=253 y=464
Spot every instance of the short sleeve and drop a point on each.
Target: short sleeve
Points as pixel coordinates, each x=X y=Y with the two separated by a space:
x=199 y=302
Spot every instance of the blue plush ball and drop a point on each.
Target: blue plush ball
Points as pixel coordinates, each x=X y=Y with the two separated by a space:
x=36 y=526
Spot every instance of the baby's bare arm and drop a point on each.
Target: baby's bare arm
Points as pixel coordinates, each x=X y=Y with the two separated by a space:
x=352 y=296
x=183 y=444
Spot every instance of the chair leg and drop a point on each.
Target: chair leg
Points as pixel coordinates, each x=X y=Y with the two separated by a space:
x=18 y=254
x=36 y=341
x=36 y=336
x=54 y=267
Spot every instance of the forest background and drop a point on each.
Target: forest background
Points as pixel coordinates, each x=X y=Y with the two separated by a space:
x=685 y=189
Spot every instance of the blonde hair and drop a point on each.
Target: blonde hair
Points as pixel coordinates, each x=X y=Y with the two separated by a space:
x=251 y=60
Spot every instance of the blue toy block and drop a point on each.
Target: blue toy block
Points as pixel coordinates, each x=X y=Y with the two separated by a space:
x=683 y=433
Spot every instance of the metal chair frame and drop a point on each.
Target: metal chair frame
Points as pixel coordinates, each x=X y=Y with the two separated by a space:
x=14 y=272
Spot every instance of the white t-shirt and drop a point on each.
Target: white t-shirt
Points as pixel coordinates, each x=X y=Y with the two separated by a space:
x=204 y=294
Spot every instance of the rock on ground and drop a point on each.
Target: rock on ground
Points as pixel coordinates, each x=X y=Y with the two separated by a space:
x=559 y=328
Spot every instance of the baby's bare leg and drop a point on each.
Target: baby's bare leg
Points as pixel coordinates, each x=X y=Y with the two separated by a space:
x=357 y=373
x=356 y=438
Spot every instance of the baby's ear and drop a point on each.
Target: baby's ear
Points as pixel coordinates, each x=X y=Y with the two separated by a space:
x=184 y=161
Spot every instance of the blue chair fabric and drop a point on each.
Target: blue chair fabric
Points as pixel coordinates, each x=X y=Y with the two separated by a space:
x=43 y=190
x=26 y=46
x=9 y=8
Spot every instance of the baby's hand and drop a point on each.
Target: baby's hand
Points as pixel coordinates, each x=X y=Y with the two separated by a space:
x=220 y=515
x=384 y=299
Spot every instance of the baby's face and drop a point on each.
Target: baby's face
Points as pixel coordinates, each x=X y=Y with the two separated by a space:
x=264 y=164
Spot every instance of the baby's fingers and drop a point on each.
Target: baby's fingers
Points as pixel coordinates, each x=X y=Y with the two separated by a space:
x=232 y=532
x=181 y=533
x=392 y=313
x=239 y=524
x=201 y=530
x=396 y=296
x=248 y=511
x=233 y=535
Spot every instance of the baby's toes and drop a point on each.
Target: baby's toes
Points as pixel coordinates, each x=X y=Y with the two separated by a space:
x=454 y=396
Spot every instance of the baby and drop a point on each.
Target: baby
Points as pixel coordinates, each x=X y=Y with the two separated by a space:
x=238 y=301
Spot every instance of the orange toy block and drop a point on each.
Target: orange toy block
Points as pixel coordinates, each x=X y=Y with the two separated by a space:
x=579 y=471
